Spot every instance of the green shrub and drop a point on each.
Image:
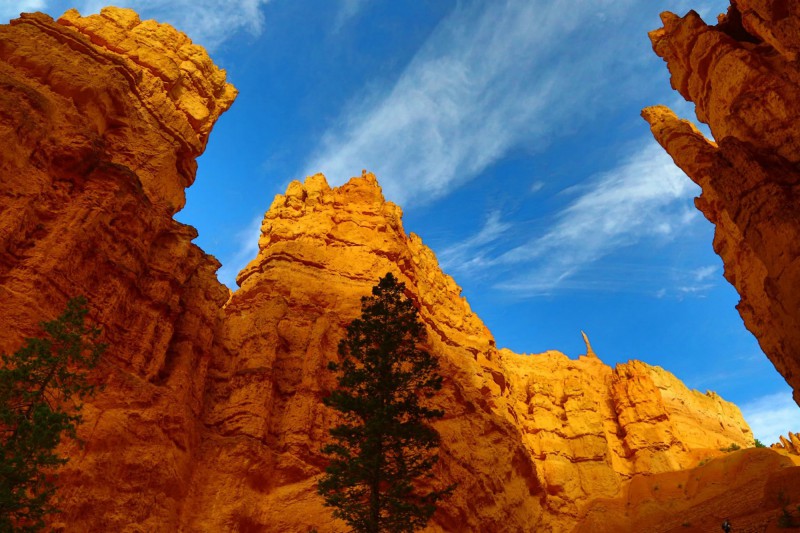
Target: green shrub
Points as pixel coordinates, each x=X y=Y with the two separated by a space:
x=785 y=519
x=39 y=384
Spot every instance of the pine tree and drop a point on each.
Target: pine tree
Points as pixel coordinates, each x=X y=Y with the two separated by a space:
x=38 y=384
x=385 y=445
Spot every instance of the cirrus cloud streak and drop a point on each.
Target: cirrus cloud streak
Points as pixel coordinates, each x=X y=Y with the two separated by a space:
x=493 y=76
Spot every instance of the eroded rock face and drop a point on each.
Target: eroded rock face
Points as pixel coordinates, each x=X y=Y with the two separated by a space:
x=100 y=126
x=211 y=418
x=789 y=444
x=743 y=76
x=529 y=439
x=750 y=488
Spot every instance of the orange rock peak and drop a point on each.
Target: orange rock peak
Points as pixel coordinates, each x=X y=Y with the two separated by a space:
x=742 y=75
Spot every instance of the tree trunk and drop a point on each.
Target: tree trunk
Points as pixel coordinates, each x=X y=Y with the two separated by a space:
x=374 y=497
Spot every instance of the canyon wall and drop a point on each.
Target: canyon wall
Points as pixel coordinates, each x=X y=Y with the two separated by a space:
x=743 y=77
x=101 y=120
x=529 y=439
x=211 y=419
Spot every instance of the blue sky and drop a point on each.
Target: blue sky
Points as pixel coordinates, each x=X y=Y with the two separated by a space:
x=509 y=132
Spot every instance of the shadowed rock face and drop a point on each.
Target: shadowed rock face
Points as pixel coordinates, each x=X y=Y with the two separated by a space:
x=211 y=418
x=743 y=77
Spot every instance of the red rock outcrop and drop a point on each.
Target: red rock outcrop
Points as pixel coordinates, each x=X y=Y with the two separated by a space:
x=751 y=488
x=100 y=124
x=211 y=418
x=529 y=439
x=790 y=444
x=743 y=77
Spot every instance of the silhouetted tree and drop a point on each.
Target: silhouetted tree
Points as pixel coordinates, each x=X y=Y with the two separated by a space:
x=37 y=387
x=385 y=444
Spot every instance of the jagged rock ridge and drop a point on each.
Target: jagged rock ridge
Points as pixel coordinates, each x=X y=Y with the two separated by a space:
x=211 y=418
x=530 y=439
x=790 y=443
x=100 y=126
x=743 y=77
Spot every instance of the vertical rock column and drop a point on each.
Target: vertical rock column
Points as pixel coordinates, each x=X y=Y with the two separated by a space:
x=101 y=119
x=743 y=77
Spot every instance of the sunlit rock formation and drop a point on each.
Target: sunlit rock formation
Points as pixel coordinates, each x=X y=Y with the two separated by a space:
x=529 y=439
x=790 y=444
x=743 y=77
x=749 y=487
x=101 y=119
x=210 y=419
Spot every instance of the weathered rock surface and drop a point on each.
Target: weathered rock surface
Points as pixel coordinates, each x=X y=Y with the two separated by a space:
x=790 y=444
x=99 y=128
x=529 y=439
x=211 y=418
x=750 y=488
x=744 y=79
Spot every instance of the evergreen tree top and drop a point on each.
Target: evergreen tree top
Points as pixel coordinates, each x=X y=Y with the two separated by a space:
x=386 y=443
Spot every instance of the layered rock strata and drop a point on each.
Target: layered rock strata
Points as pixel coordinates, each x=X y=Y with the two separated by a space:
x=211 y=419
x=743 y=77
x=751 y=488
x=529 y=439
x=101 y=119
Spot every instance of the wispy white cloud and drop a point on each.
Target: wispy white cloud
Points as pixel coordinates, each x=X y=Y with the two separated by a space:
x=704 y=273
x=645 y=197
x=206 y=22
x=695 y=282
x=772 y=416
x=348 y=10
x=470 y=253
x=644 y=200
x=492 y=76
x=11 y=10
x=246 y=242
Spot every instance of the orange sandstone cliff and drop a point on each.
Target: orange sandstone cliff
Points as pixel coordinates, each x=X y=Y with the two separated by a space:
x=529 y=439
x=211 y=419
x=101 y=119
x=744 y=79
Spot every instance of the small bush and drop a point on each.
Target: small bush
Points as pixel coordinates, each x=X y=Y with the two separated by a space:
x=732 y=448
x=785 y=519
x=41 y=385
x=760 y=444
